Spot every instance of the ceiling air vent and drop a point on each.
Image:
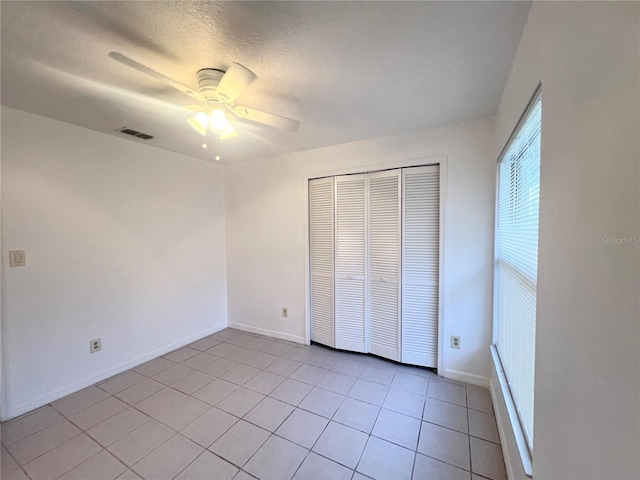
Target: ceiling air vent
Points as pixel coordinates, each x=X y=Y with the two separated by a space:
x=134 y=133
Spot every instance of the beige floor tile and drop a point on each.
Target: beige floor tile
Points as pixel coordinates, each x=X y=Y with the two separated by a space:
x=479 y=399
x=427 y=467
x=370 y=392
x=349 y=365
x=140 y=391
x=102 y=466
x=337 y=382
x=291 y=391
x=404 y=402
x=129 y=475
x=382 y=460
x=200 y=360
x=7 y=462
x=240 y=374
x=153 y=367
x=483 y=425
x=397 y=428
x=181 y=354
x=29 y=424
x=444 y=444
x=412 y=383
x=221 y=349
x=316 y=467
x=302 y=427
x=121 y=382
x=341 y=444
x=260 y=360
x=446 y=414
x=240 y=402
x=169 y=459
x=218 y=367
x=95 y=414
x=172 y=374
x=207 y=466
x=264 y=382
x=382 y=373
x=80 y=400
x=240 y=354
x=204 y=344
x=137 y=444
x=447 y=392
x=239 y=443
x=308 y=374
x=277 y=458
x=35 y=445
x=160 y=401
x=487 y=460
x=118 y=426
x=183 y=413
x=215 y=391
x=62 y=458
x=269 y=414
x=322 y=402
x=357 y=414
x=16 y=474
x=208 y=427
x=284 y=367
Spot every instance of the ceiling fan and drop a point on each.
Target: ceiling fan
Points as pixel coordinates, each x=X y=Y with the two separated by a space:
x=217 y=93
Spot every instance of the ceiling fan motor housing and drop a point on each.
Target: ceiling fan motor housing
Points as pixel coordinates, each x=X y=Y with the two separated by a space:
x=208 y=80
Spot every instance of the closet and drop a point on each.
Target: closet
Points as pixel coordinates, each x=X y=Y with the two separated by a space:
x=374 y=242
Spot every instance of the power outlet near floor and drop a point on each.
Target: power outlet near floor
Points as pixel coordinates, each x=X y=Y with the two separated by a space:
x=285 y=312
x=95 y=345
x=455 y=341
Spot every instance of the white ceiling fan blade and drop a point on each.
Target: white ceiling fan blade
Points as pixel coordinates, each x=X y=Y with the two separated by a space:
x=276 y=121
x=235 y=80
x=158 y=76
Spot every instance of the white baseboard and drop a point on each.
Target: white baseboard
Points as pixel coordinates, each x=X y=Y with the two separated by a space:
x=501 y=432
x=467 y=377
x=268 y=333
x=32 y=404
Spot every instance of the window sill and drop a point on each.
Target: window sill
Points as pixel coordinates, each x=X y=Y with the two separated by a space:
x=523 y=449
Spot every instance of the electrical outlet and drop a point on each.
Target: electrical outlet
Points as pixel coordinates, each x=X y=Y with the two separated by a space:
x=95 y=345
x=455 y=341
x=285 y=312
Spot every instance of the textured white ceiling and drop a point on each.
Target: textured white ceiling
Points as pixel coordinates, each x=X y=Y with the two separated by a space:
x=348 y=71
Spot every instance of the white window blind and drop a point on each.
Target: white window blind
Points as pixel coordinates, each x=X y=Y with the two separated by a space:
x=517 y=262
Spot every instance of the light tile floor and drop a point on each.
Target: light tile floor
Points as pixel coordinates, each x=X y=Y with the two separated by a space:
x=239 y=405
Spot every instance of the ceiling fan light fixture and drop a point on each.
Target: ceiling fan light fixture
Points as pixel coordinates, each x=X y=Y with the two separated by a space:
x=219 y=122
x=230 y=132
x=199 y=122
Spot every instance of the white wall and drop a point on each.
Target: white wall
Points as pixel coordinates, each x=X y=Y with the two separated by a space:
x=587 y=347
x=266 y=232
x=123 y=241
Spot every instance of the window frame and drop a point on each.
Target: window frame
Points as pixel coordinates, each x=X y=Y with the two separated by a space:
x=524 y=444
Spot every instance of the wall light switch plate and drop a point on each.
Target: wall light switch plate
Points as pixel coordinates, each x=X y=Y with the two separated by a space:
x=17 y=258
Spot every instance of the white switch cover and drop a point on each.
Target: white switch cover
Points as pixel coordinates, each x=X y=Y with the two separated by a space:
x=17 y=258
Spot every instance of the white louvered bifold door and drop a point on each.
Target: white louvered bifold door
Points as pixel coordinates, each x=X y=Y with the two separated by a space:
x=420 y=265
x=384 y=263
x=321 y=241
x=351 y=261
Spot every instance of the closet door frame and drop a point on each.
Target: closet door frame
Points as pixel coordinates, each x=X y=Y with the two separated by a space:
x=440 y=160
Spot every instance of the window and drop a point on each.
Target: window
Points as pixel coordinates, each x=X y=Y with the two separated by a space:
x=516 y=262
